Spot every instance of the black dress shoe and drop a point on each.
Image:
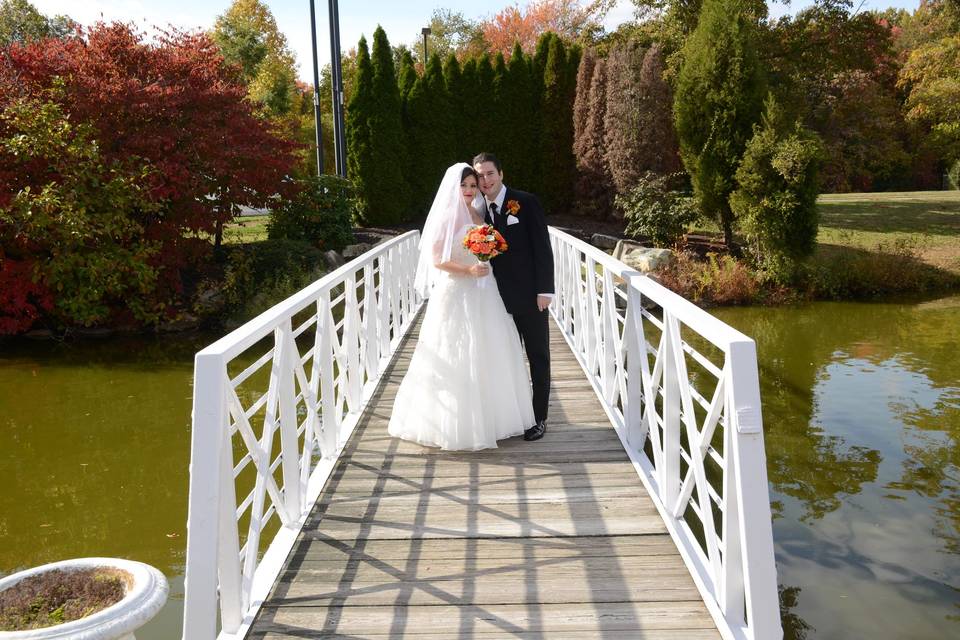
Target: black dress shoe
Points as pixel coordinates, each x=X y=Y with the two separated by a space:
x=536 y=431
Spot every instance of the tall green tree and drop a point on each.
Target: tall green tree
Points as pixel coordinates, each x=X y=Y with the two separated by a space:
x=776 y=197
x=430 y=134
x=473 y=110
x=357 y=126
x=538 y=64
x=248 y=37
x=557 y=165
x=457 y=94
x=719 y=96
x=388 y=195
x=499 y=136
x=21 y=22
x=483 y=97
x=406 y=75
x=516 y=100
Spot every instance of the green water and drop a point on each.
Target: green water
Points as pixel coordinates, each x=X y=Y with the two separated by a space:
x=862 y=418
x=94 y=448
x=861 y=408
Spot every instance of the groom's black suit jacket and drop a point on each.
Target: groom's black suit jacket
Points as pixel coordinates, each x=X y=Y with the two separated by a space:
x=526 y=268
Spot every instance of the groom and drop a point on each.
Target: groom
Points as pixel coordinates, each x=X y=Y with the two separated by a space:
x=524 y=274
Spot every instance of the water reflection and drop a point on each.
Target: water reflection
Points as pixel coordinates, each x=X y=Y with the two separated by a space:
x=862 y=415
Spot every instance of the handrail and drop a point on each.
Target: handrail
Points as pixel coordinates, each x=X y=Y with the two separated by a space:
x=311 y=405
x=700 y=456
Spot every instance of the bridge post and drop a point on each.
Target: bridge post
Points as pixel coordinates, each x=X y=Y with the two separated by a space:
x=289 y=423
x=203 y=511
x=670 y=485
x=371 y=324
x=324 y=359
x=754 y=518
x=637 y=364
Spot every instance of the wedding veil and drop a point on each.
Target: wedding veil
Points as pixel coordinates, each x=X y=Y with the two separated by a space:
x=448 y=215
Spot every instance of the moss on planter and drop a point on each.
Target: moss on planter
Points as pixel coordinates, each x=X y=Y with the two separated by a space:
x=57 y=596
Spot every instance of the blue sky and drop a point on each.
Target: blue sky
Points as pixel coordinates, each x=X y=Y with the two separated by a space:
x=401 y=20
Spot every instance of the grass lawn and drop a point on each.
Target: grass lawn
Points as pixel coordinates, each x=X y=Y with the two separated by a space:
x=930 y=220
x=246 y=229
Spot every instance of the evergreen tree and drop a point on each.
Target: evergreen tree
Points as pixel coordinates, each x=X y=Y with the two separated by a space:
x=719 y=95
x=484 y=99
x=457 y=92
x=776 y=197
x=473 y=104
x=430 y=135
x=377 y=153
x=357 y=125
x=498 y=135
x=581 y=103
x=538 y=64
x=557 y=164
x=594 y=185
x=521 y=135
x=406 y=79
x=639 y=129
x=407 y=74
x=443 y=117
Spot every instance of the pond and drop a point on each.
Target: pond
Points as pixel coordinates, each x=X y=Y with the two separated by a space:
x=862 y=420
x=861 y=408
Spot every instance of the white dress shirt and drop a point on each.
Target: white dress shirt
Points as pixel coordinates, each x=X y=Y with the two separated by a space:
x=501 y=196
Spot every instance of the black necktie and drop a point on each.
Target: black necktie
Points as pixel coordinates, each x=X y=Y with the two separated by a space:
x=493 y=208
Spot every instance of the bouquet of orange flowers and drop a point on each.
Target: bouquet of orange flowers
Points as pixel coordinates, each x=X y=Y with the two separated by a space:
x=484 y=242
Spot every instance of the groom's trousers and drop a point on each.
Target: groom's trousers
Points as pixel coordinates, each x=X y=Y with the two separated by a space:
x=535 y=335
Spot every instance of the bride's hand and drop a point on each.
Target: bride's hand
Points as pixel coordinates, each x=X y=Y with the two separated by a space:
x=479 y=270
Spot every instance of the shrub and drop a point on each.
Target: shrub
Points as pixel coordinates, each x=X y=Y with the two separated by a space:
x=319 y=213
x=23 y=299
x=261 y=274
x=845 y=273
x=718 y=280
x=776 y=196
x=651 y=208
x=77 y=220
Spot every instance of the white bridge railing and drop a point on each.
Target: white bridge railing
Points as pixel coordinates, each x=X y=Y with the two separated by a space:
x=268 y=427
x=271 y=415
x=682 y=391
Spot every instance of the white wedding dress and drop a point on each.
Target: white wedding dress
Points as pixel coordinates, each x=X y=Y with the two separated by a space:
x=467 y=385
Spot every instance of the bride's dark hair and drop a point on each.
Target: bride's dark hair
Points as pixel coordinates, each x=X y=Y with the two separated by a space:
x=468 y=171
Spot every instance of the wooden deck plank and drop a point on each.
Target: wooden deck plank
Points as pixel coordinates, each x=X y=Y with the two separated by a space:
x=555 y=538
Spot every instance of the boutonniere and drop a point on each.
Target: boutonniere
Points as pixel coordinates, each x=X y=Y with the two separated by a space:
x=513 y=207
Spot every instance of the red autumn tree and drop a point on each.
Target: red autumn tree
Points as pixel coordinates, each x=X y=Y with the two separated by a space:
x=568 y=18
x=171 y=102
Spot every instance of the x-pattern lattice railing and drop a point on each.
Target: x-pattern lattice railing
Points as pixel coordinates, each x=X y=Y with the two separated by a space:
x=319 y=354
x=649 y=354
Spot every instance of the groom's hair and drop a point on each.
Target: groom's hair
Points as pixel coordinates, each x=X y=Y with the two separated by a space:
x=486 y=156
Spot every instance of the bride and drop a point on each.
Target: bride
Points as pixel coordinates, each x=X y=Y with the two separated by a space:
x=466 y=386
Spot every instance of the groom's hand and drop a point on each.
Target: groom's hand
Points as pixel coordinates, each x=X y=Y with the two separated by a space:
x=543 y=302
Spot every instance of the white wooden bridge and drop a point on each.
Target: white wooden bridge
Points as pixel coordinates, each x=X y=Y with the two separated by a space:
x=643 y=513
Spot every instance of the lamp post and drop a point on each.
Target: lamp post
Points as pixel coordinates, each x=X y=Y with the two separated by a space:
x=425 y=31
x=316 y=91
x=336 y=81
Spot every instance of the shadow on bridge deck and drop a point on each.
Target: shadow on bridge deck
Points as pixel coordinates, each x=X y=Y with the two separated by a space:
x=554 y=538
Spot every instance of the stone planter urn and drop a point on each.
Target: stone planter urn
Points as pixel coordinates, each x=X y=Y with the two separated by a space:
x=145 y=593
